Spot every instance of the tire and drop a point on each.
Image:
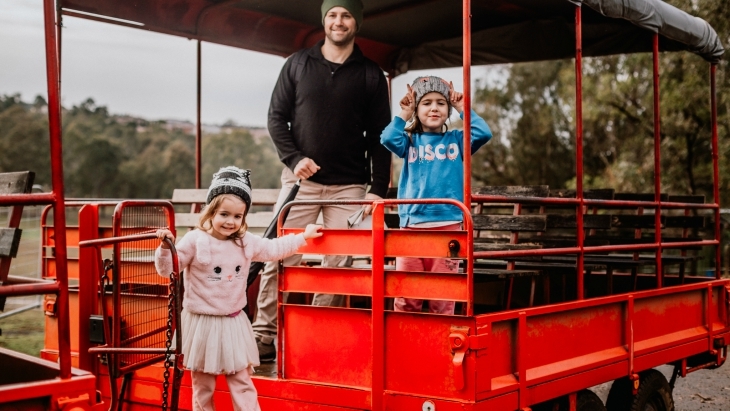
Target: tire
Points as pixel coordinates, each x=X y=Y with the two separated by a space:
x=654 y=394
x=620 y=396
x=588 y=401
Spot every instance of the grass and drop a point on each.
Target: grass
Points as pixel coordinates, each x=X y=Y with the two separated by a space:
x=23 y=332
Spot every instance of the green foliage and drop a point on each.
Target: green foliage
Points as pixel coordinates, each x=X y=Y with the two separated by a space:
x=239 y=149
x=107 y=156
x=531 y=111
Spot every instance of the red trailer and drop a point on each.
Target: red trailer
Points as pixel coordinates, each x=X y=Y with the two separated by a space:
x=537 y=323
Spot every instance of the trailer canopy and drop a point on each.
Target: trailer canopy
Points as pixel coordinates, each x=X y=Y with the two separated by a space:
x=403 y=35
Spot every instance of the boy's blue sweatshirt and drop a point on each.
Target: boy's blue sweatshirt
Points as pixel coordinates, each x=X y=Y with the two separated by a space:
x=432 y=168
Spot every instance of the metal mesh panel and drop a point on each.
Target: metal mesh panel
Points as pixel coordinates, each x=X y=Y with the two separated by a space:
x=142 y=294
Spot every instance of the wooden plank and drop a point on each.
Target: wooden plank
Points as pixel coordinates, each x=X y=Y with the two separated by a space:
x=13 y=183
x=514 y=191
x=684 y=221
x=596 y=240
x=569 y=221
x=17 y=182
x=538 y=265
x=638 y=196
x=499 y=273
x=593 y=194
x=563 y=241
x=261 y=219
x=647 y=221
x=260 y=196
x=479 y=246
x=509 y=222
x=9 y=242
x=692 y=199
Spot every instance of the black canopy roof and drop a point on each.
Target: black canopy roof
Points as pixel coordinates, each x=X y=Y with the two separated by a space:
x=404 y=35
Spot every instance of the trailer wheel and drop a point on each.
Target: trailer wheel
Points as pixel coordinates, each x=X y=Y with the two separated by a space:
x=654 y=394
x=588 y=401
x=620 y=396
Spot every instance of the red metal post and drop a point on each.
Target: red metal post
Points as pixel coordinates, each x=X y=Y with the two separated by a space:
x=198 y=126
x=88 y=282
x=469 y=228
x=59 y=209
x=715 y=167
x=466 y=29
x=657 y=167
x=378 y=307
x=29 y=289
x=59 y=43
x=579 y=147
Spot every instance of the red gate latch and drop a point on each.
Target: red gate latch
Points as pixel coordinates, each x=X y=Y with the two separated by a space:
x=459 y=341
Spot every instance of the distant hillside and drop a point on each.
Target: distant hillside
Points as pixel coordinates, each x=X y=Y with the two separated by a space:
x=111 y=156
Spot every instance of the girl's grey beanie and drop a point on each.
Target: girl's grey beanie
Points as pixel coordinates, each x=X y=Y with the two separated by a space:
x=428 y=84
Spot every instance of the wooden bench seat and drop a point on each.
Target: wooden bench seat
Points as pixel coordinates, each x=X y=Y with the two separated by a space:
x=258 y=219
x=12 y=183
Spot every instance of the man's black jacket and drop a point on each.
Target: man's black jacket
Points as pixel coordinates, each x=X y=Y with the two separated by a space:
x=329 y=117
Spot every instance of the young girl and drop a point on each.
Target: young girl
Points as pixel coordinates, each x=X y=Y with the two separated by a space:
x=432 y=168
x=216 y=256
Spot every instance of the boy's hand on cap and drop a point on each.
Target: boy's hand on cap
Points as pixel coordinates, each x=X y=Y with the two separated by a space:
x=162 y=234
x=312 y=231
x=408 y=104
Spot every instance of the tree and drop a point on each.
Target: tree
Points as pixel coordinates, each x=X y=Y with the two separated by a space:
x=241 y=150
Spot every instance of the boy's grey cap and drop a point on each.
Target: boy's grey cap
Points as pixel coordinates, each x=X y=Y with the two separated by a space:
x=428 y=84
x=231 y=180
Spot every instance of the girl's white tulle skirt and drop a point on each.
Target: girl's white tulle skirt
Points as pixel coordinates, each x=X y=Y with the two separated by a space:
x=216 y=344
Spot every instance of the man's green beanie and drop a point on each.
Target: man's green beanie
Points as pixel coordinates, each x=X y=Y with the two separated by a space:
x=353 y=6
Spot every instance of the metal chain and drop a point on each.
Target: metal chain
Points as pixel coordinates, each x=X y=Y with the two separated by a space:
x=168 y=342
x=104 y=283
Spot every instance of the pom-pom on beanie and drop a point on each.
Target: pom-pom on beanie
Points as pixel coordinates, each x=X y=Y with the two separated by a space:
x=231 y=180
x=353 y=6
x=428 y=84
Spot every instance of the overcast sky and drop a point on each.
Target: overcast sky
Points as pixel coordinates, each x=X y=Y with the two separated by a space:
x=146 y=74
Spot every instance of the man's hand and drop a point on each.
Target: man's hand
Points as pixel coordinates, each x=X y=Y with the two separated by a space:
x=305 y=168
x=369 y=208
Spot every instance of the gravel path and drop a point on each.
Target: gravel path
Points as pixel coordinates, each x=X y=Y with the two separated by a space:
x=703 y=390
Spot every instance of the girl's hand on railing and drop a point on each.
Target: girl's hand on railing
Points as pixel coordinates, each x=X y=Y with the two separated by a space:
x=162 y=234
x=312 y=231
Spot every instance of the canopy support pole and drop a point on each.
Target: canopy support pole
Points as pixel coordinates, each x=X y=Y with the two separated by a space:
x=466 y=50
x=198 y=126
x=657 y=166
x=715 y=167
x=59 y=207
x=579 y=150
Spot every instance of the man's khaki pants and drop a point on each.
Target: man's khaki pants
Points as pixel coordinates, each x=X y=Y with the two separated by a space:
x=334 y=216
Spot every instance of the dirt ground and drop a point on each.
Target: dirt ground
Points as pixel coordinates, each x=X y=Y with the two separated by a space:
x=704 y=390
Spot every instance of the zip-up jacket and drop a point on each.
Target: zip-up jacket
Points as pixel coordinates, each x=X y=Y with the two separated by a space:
x=328 y=117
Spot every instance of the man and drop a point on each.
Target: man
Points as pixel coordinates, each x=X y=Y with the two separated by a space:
x=326 y=114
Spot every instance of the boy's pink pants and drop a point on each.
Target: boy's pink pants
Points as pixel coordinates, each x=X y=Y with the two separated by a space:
x=434 y=265
x=243 y=393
